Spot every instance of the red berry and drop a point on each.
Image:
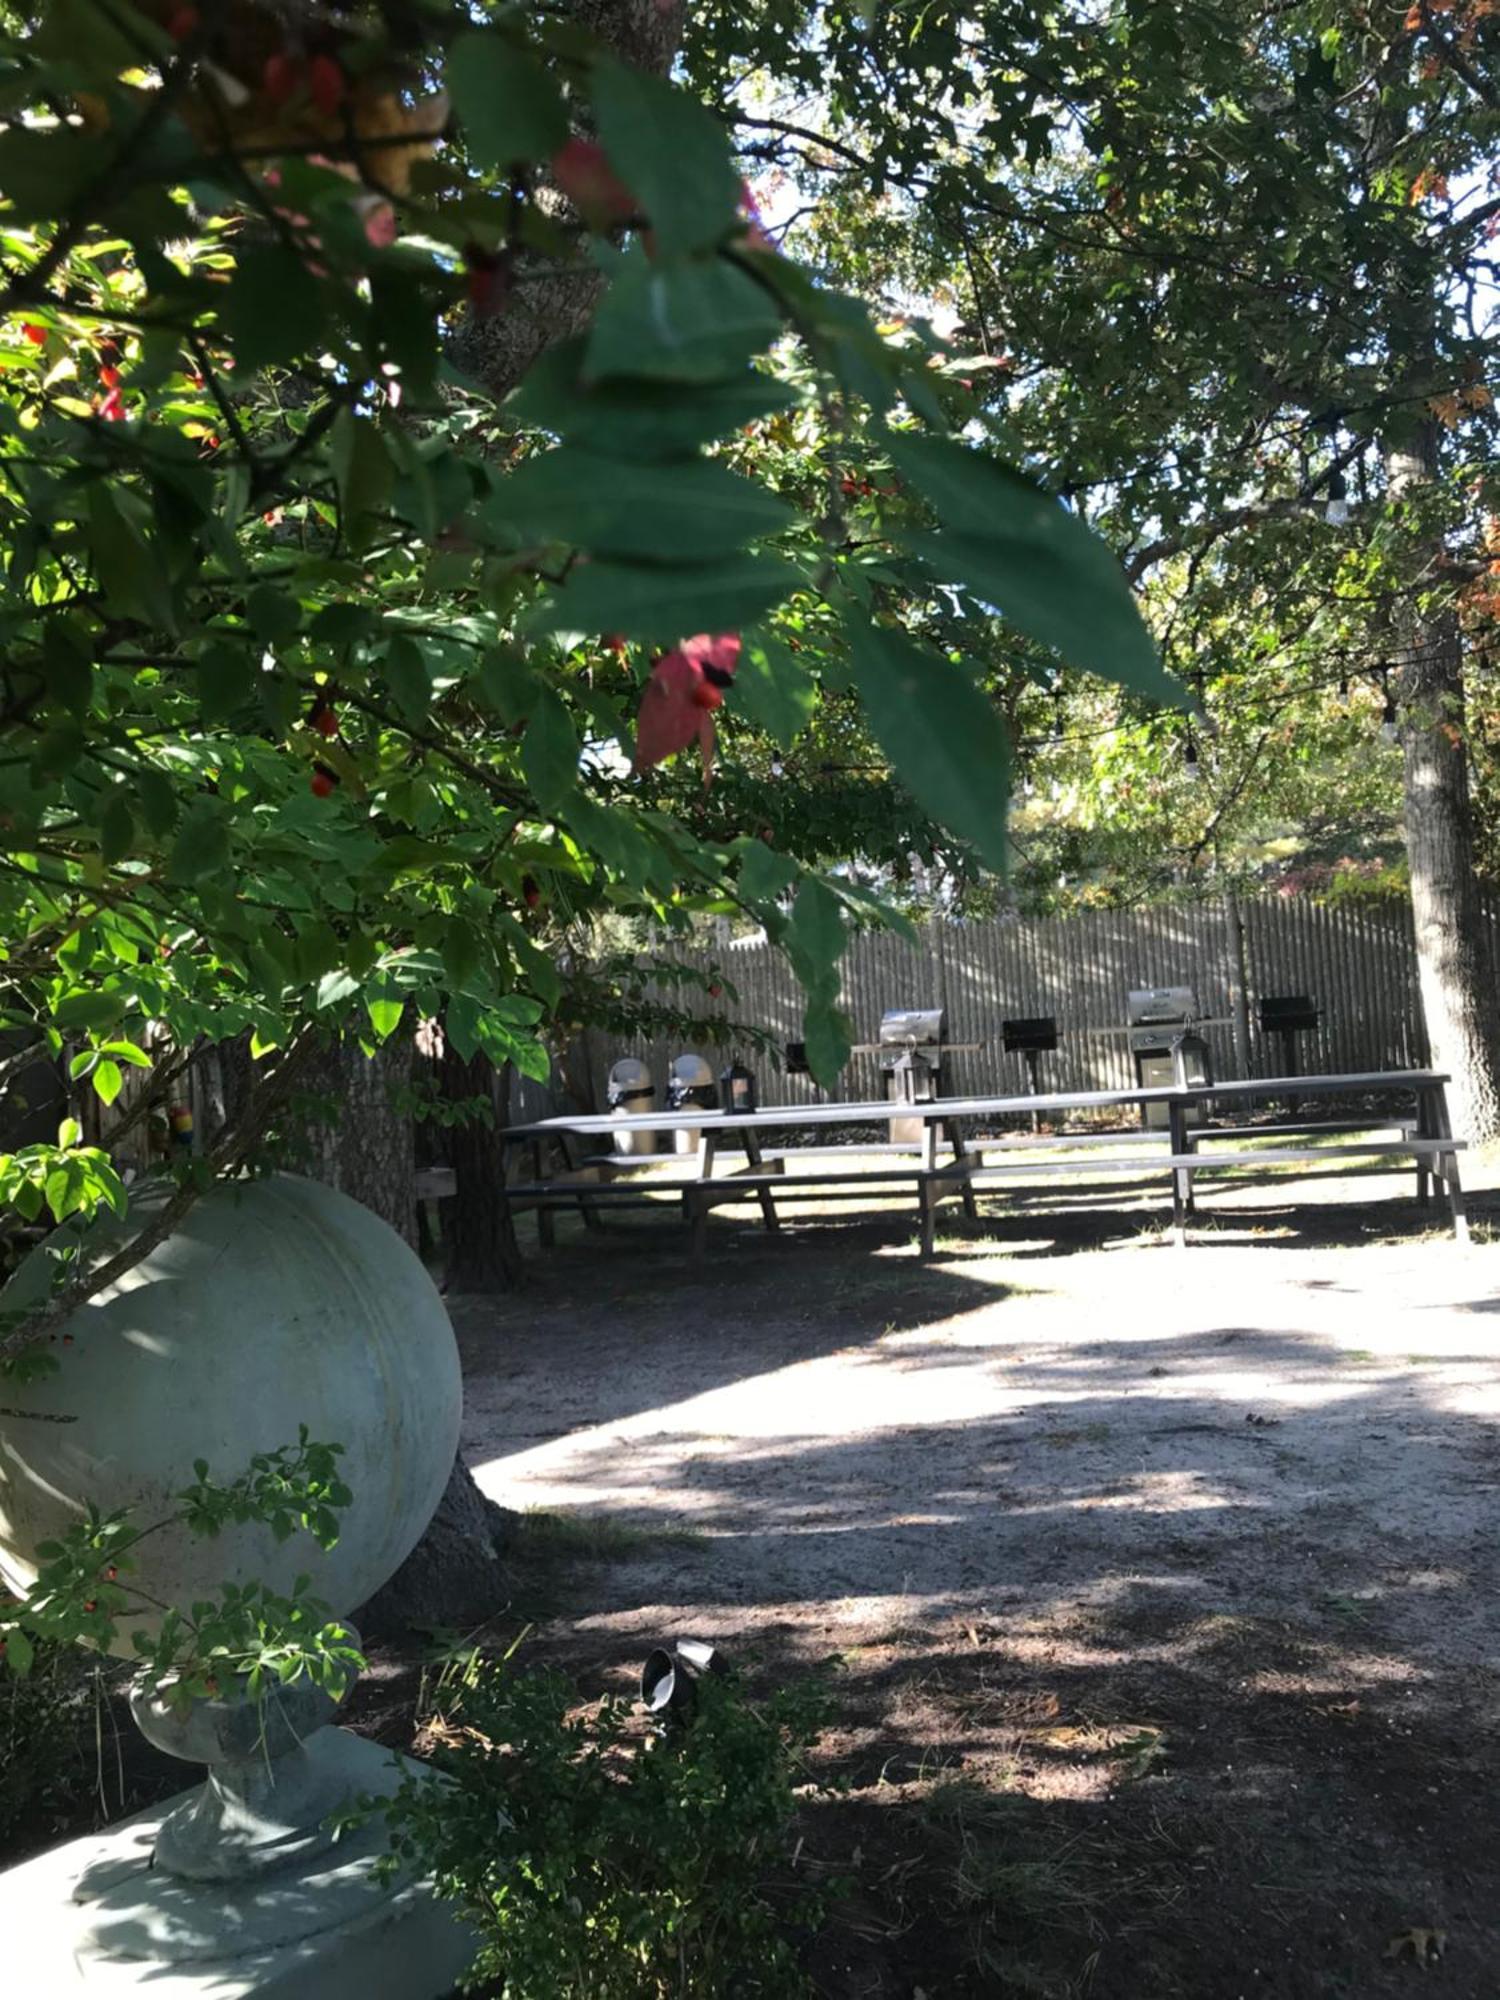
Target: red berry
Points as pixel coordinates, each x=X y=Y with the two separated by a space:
x=35 y=334
x=325 y=84
x=111 y=1574
x=210 y=1686
x=323 y=781
x=182 y=23
x=279 y=78
x=615 y=643
x=89 y=1604
x=531 y=894
x=67 y=1340
x=324 y=719
x=715 y=990
x=110 y=377
x=111 y=408
x=489 y=280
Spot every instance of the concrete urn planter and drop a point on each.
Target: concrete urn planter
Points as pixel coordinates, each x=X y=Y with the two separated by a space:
x=277 y=1303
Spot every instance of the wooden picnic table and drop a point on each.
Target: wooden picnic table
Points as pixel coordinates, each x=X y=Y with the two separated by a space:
x=951 y=1164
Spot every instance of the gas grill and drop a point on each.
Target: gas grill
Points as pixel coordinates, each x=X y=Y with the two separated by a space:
x=1162 y=1024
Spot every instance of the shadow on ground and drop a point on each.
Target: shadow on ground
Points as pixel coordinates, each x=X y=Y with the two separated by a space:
x=1157 y=1592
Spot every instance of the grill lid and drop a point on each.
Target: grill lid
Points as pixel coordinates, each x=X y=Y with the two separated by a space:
x=1168 y=1004
x=911 y=1027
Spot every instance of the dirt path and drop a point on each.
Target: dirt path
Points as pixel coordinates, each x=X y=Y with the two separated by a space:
x=1163 y=1587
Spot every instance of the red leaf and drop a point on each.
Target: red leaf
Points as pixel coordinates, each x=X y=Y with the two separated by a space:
x=677 y=705
x=582 y=170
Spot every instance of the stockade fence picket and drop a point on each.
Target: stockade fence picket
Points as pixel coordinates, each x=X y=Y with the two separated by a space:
x=1357 y=962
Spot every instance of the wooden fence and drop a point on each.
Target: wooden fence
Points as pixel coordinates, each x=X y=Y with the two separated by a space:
x=1358 y=962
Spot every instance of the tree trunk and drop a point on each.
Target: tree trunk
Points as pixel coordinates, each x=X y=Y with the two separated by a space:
x=363 y=1141
x=454 y=1577
x=480 y=1239
x=1459 y=1000
x=365 y=1145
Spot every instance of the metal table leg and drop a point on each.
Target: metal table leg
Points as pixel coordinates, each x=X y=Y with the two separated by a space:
x=1182 y=1177
x=1447 y=1163
x=567 y=1146
x=960 y=1158
x=767 y=1200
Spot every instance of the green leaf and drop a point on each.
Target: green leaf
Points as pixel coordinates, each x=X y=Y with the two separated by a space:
x=202 y=846
x=774 y=689
x=640 y=420
x=691 y=510
x=385 y=1006
x=944 y=738
x=405 y=669
x=549 y=752
x=108 y=1081
x=511 y=110
x=364 y=472
x=19 y=1652
x=157 y=800
x=680 y=323
x=671 y=152
x=642 y=602
x=827 y=1033
x=765 y=875
x=1019 y=550
x=116 y=828
x=90 y=1011
x=274 y=614
x=69 y=1133
x=333 y=989
x=69 y=670
x=128 y=1052
x=129 y=573
x=274 y=308
x=816 y=938
x=226 y=681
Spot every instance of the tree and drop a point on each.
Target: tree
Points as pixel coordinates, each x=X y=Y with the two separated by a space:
x=1234 y=268
x=319 y=660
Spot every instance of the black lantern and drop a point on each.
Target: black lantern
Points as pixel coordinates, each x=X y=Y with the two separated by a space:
x=737 y=1088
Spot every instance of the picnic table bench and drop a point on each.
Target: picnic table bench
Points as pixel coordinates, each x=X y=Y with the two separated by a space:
x=948 y=1164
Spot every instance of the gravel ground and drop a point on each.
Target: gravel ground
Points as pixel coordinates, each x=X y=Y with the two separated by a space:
x=1241 y=1498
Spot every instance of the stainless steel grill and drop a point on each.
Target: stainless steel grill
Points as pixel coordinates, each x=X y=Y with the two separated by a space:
x=1162 y=1026
x=910 y=1046
x=1155 y=1013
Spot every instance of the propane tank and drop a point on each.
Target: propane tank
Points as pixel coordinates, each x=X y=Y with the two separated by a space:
x=631 y=1092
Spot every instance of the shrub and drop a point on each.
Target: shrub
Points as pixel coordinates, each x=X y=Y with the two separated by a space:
x=598 y=1859
x=43 y=1769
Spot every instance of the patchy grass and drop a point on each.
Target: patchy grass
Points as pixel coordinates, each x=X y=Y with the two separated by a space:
x=596 y=1537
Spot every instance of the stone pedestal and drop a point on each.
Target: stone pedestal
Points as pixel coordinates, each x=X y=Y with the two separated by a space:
x=95 y=1919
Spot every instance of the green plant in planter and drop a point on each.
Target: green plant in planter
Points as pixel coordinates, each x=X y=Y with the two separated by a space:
x=84 y=1592
x=596 y=1860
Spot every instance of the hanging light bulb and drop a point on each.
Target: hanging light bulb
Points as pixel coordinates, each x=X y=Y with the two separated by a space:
x=1390 y=726
x=776 y=767
x=1192 y=765
x=1336 y=513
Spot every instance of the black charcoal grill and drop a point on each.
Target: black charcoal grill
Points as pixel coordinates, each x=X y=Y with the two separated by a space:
x=1288 y=1015
x=1031 y=1039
